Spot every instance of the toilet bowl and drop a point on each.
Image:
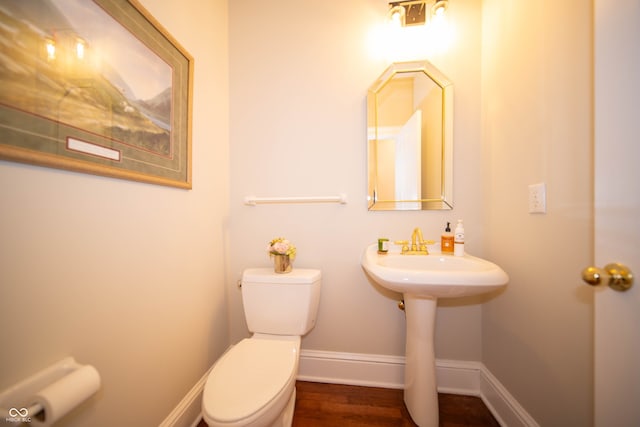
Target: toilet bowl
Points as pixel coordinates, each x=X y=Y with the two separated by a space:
x=253 y=383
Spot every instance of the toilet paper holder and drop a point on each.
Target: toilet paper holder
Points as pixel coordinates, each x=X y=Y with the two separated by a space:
x=48 y=395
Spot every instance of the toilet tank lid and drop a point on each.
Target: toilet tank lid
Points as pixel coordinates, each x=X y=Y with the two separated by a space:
x=267 y=275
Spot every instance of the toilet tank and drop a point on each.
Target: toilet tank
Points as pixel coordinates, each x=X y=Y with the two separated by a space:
x=281 y=304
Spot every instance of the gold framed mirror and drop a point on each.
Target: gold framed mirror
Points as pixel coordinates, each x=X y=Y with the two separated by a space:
x=410 y=139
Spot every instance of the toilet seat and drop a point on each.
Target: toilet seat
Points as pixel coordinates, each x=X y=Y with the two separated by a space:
x=251 y=382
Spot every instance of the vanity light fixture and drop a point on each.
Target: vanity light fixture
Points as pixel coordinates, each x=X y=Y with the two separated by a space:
x=414 y=12
x=413 y=29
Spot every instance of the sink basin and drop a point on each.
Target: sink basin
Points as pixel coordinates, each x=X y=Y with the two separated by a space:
x=434 y=275
x=422 y=279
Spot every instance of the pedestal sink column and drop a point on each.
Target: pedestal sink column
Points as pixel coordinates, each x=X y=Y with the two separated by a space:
x=422 y=280
x=420 y=391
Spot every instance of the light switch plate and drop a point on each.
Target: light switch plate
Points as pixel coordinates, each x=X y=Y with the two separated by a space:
x=538 y=198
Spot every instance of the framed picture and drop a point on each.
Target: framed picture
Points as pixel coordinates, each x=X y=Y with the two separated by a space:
x=96 y=87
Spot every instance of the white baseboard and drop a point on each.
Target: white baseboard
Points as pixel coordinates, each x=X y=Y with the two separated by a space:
x=452 y=376
x=351 y=368
x=189 y=411
x=501 y=403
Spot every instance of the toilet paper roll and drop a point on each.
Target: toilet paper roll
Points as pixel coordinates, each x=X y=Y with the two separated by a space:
x=60 y=397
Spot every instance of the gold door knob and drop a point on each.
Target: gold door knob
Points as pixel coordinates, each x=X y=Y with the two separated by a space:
x=620 y=277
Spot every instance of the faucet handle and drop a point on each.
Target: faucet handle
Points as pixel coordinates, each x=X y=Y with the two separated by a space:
x=425 y=243
x=404 y=243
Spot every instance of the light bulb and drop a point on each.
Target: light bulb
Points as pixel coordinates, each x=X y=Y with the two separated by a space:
x=397 y=16
x=50 y=45
x=80 y=49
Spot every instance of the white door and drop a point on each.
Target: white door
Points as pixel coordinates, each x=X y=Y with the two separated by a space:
x=408 y=163
x=617 y=210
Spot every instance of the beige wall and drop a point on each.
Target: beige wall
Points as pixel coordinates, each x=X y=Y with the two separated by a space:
x=299 y=75
x=298 y=119
x=122 y=275
x=537 y=127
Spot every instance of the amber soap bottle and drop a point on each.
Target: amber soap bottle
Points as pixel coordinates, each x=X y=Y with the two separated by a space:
x=446 y=244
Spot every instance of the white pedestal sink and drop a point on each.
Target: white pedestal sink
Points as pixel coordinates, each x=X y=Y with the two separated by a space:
x=422 y=279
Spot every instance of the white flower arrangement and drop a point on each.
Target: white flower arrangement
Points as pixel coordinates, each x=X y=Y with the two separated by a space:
x=281 y=246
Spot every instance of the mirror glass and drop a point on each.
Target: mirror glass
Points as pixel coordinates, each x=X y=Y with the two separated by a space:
x=410 y=139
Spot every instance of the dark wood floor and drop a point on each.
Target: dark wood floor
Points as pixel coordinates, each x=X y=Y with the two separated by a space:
x=337 y=405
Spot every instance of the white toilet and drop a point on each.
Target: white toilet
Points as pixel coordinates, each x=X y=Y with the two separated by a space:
x=253 y=383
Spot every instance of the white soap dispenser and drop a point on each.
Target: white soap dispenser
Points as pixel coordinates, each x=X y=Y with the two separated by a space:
x=458 y=242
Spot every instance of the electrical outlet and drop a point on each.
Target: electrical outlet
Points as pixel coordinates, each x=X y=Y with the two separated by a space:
x=538 y=198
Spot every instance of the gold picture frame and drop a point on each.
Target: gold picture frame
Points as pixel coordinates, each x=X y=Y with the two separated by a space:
x=97 y=87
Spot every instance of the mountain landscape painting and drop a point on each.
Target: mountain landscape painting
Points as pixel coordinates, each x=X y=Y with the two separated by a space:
x=70 y=71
